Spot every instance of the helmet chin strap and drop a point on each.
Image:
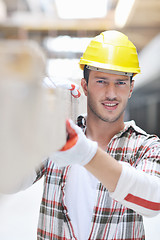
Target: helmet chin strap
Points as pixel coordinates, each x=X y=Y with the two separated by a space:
x=109 y=71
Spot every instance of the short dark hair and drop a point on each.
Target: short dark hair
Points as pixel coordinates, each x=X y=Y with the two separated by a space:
x=86 y=72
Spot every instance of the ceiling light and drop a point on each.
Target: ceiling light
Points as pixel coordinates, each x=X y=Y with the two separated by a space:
x=66 y=44
x=81 y=9
x=123 y=11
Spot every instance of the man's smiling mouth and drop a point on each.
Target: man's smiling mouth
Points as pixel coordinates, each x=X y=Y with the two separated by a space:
x=109 y=105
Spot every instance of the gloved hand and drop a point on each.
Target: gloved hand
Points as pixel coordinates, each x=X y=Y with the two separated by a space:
x=78 y=148
x=69 y=85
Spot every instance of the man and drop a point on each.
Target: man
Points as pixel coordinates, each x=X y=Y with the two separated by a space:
x=106 y=177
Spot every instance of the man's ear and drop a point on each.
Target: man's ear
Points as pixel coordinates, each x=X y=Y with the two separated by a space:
x=84 y=86
x=131 y=88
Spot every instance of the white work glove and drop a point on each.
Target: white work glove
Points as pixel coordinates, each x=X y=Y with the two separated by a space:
x=78 y=148
x=66 y=84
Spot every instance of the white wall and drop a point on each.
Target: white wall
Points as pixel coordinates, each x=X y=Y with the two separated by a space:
x=152 y=228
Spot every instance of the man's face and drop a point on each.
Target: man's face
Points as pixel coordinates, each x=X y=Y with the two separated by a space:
x=107 y=95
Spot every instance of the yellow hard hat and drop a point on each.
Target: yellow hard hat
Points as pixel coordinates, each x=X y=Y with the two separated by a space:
x=111 y=50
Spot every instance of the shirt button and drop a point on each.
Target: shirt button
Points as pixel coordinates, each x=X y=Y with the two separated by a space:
x=65 y=211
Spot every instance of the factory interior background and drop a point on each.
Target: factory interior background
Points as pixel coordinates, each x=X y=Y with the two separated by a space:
x=62 y=29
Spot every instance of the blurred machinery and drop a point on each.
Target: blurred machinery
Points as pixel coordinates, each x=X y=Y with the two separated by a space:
x=33 y=114
x=144 y=106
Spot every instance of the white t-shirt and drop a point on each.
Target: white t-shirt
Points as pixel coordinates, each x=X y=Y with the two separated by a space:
x=80 y=199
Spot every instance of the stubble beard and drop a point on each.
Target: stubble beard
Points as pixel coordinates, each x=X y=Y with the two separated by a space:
x=95 y=112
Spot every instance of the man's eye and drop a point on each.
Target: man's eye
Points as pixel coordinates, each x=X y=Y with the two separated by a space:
x=101 y=81
x=121 y=83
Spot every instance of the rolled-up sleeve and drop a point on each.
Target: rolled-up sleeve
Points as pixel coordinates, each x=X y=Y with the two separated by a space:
x=138 y=187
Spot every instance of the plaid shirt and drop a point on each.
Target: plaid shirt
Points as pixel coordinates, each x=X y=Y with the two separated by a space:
x=111 y=220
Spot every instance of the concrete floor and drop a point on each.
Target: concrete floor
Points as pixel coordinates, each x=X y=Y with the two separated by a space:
x=19 y=216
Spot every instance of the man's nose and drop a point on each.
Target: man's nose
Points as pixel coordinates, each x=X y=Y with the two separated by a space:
x=111 y=91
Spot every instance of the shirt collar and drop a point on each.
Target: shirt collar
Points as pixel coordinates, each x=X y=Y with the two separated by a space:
x=81 y=122
x=131 y=125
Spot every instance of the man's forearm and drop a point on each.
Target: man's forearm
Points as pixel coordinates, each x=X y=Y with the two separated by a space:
x=131 y=187
x=105 y=168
